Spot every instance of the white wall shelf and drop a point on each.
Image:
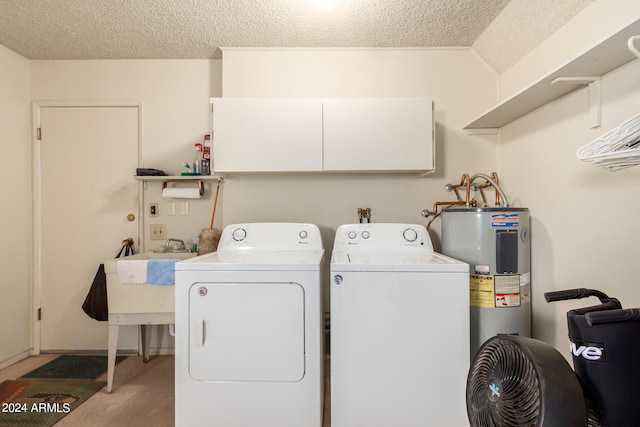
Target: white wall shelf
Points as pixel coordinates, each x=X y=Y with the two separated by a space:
x=601 y=58
x=177 y=178
x=200 y=179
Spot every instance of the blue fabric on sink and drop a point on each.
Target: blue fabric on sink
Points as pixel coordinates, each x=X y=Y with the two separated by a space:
x=161 y=271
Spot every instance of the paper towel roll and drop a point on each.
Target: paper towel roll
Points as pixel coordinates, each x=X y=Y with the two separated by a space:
x=181 y=192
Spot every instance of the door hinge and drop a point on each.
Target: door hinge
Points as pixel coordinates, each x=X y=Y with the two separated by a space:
x=40 y=314
x=39 y=134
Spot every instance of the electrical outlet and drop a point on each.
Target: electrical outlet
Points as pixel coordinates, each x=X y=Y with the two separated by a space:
x=158 y=231
x=153 y=209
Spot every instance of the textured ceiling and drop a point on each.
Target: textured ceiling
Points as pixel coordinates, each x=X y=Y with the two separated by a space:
x=521 y=26
x=194 y=29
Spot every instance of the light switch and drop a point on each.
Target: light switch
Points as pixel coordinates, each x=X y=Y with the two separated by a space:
x=184 y=208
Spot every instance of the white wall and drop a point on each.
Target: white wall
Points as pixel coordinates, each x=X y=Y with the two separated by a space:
x=175 y=115
x=459 y=81
x=584 y=228
x=175 y=98
x=15 y=219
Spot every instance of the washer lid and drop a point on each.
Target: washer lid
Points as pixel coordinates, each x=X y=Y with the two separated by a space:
x=375 y=261
x=254 y=261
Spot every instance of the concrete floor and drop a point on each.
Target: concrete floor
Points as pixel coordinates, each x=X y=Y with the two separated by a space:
x=143 y=394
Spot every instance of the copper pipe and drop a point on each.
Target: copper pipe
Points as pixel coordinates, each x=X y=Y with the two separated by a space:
x=490 y=180
x=426 y=213
x=436 y=204
x=435 y=212
x=468 y=192
x=465 y=178
x=494 y=175
x=486 y=184
x=484 y=199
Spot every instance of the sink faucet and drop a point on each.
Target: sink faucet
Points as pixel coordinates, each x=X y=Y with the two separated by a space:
x=179 y=246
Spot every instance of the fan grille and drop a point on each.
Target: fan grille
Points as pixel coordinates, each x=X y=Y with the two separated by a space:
x=504 y=388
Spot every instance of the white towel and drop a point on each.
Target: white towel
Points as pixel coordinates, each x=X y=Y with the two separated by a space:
x=132 y=271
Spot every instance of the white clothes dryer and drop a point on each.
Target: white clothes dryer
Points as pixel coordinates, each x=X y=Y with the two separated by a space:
x=399 y=329
x=249 y=330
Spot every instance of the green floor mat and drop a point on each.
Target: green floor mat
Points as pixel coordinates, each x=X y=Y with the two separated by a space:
x=72 y=367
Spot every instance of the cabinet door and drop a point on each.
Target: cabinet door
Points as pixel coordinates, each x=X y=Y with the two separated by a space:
x=374 y=134
x=267 y=135
x=241 y=332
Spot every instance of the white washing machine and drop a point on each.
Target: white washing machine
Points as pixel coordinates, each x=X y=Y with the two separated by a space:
x=249 y=330
x=399 y=329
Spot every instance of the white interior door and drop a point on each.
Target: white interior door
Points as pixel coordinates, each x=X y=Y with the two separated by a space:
x=88 y=159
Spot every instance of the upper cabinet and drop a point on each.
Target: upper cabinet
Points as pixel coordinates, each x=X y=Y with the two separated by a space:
x=378 y=134
x=313 y=135
x=267 y=135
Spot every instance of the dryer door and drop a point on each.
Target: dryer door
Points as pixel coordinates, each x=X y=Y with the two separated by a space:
x=246 y=332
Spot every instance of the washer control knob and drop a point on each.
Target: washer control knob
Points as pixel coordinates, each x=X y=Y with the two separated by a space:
x=410 y=235
x=352 y=234
x=303 y=234
x=365 y=234
x=239 y=234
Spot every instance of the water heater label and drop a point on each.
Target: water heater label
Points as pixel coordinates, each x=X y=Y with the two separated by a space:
x=499 y=291
x=507 y=290
x=481 y=293
x=505 y=220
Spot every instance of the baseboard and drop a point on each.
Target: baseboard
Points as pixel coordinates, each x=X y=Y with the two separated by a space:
x=15 y=359
x=161 y=351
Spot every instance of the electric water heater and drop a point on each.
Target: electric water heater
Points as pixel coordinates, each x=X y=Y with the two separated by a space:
x=495 y=242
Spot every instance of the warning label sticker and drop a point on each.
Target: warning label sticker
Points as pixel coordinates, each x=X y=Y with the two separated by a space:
x=481 y=292
x=507 y=288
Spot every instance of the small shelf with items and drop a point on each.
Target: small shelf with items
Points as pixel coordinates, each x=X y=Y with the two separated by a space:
x=181 y=193
x=177 y=178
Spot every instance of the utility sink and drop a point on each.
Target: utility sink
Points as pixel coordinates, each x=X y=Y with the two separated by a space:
x=125 y=298
x=137 y=304
x=165 y=250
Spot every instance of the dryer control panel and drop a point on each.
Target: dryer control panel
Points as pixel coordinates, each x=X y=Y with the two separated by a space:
x=382 y=237
x=262 y=237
